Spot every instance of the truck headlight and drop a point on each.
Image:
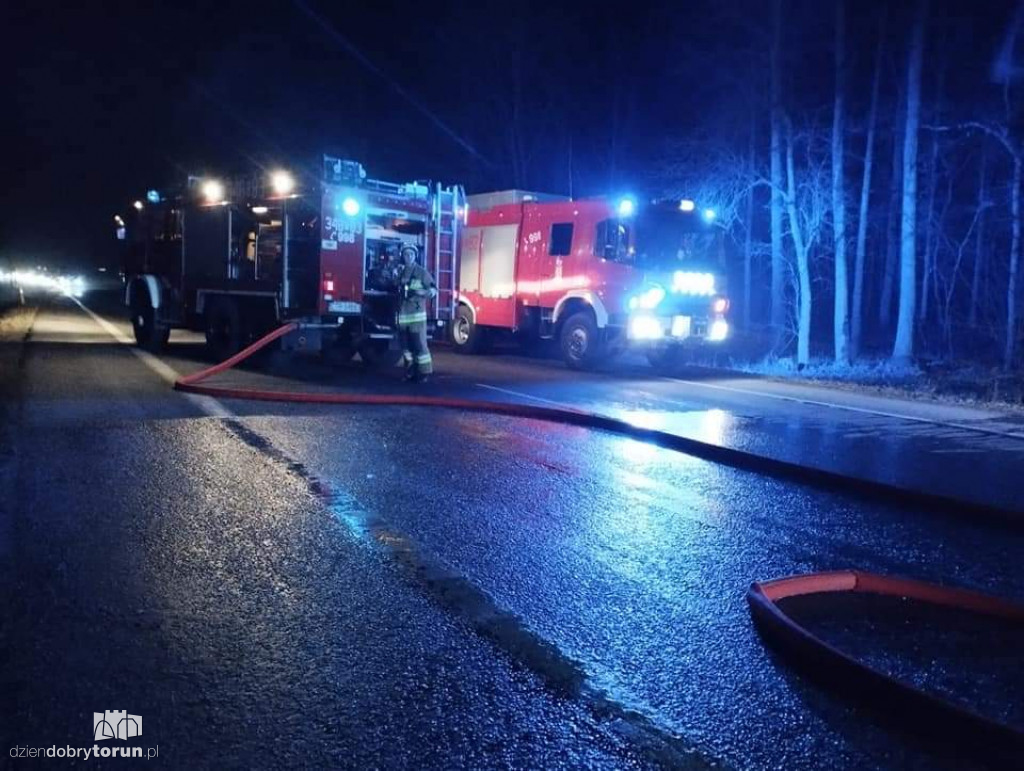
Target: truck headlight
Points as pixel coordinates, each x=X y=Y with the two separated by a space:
x=718 y=331
x=647 y=299
x=687 y=282
x=643 y=327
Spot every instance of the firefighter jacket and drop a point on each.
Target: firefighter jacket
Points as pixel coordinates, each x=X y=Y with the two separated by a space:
x=416 y=286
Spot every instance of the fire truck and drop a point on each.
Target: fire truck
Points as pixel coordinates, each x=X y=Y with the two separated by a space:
x=597 y=275
x=237 y=258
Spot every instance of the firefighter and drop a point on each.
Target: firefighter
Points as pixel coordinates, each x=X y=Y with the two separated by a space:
x=415 y=286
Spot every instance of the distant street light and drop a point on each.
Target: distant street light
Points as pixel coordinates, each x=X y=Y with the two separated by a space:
x=282 y=182
x=138 y=205
x=213 y=191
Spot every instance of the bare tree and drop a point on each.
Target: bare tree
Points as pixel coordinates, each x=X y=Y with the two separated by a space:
x=979 y=239
x=892 y=241
x=748 y=241
x=958 y=247
x=806 y=205
x=1011 y=284
x=932 y=228
x=841 y=314
x=903 y=348
x=777 y=183
x=1013 y=148
x=857 y=309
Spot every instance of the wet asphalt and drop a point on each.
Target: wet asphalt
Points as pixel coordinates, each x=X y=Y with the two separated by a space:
x=273 y=584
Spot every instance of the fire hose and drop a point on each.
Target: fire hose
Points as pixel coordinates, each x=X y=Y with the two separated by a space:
x=820 y=660
x=810 y=652
x=728 y=456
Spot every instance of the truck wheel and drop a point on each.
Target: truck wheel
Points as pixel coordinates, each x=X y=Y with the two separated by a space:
x=581 y=341
x=149 y=334
x=223 y=328
x=467 y=337
x=379 y=354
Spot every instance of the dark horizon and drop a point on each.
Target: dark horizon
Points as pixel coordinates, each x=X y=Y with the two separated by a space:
x=109 y=105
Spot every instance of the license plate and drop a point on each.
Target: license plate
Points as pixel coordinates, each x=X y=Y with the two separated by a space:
x=681 y=326
x=343 y=307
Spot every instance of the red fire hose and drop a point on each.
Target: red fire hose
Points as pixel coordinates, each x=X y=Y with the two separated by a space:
x=828 y=480
x=776 y=626
x=817 y=658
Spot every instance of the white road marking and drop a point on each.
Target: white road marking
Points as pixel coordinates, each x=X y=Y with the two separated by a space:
x=850 y=408
x=206 y=404
x=522 y=395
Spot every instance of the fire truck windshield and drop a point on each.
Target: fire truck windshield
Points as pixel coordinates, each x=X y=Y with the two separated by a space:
x=669 y=239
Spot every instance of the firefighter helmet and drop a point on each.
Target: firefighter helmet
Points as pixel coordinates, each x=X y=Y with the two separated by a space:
x=410 y=254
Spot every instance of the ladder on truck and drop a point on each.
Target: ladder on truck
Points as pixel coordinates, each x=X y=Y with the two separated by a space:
x=449 y=217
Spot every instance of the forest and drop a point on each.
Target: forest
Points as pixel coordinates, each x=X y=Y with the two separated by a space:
x=864 y=158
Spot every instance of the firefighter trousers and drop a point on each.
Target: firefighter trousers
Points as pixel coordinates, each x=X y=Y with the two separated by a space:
x=414 y=348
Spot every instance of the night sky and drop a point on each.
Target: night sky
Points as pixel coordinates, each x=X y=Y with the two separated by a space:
x=110 y=99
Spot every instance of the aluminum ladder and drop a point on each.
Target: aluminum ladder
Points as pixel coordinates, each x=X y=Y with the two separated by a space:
x=449 y=214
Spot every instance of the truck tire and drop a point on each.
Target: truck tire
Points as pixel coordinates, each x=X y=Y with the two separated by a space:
x=580 y=340
x=223 y=326
x=150 y=335
x=467 y=337
x=378 y=354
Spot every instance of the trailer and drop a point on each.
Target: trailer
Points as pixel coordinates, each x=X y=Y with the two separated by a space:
x=597 y=275
x=236 y=258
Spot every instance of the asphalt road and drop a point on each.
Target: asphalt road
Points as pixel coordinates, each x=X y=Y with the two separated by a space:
x=273 y=584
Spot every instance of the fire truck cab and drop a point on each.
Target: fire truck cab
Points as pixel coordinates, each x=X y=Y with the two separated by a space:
x=237 y=258
x=599 y=275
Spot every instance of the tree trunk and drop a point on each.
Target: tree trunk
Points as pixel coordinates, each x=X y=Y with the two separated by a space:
x=778 y=308
x=748 y=246
x=800 y=246
x=903 y=348
x=841 y=315
x=929 y=234
x=1011 y=286
x=857 y=310
x=928 y=278
x=892 y=246
x=979 y=241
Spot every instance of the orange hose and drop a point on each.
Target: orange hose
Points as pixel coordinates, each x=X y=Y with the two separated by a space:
x=934 y=715
x=241 y=356
x=770 y=619
x=827 y=480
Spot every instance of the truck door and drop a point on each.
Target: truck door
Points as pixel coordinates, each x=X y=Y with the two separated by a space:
x=490 y=253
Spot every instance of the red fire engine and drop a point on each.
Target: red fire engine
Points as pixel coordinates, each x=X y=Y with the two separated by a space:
x=598 y=275
x=237 y=258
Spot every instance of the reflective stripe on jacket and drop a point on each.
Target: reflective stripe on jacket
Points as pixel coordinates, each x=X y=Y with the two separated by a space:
x=418 y=286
